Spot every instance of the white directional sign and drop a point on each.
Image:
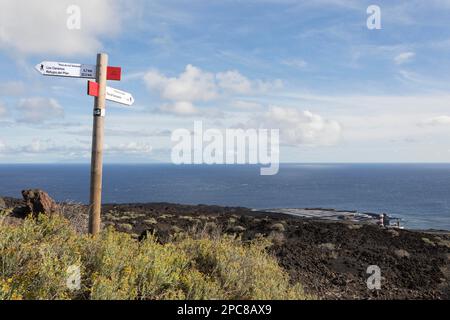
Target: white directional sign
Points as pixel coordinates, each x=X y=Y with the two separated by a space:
x=64 y=69
x=119 y=96
x=111 y=94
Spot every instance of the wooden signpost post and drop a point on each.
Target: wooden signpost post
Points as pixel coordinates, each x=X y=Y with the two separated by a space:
x=97 y=146
x=98 y=89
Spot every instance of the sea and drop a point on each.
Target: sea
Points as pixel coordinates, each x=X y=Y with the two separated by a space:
x=419 y=194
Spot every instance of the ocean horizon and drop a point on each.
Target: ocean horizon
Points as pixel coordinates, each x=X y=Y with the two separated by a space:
x=415 y=192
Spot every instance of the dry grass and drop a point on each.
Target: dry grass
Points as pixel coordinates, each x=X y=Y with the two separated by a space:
x=35 y=258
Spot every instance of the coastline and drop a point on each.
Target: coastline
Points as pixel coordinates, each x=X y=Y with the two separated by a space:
x=378 y=188
x=330 y=258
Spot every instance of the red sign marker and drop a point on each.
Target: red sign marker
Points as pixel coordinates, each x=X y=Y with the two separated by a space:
x=93 y=88
x=114 y=73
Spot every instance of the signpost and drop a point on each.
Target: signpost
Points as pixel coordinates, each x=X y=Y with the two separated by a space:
x=97 y=147
x=101 y=73
x=75 y=70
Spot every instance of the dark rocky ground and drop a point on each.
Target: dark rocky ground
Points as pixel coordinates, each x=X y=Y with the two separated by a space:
x=330 y=259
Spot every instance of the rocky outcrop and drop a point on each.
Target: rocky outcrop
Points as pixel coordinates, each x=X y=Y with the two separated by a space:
x=39 y=202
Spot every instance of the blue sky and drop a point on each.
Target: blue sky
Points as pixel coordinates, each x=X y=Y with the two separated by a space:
x=338 y=91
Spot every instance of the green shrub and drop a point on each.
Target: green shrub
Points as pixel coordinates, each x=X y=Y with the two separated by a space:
x=35 y=257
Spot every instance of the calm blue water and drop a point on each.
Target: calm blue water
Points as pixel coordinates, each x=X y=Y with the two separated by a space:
x=418 y=193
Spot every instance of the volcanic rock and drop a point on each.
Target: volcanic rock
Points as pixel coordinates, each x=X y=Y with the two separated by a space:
x=38 y=202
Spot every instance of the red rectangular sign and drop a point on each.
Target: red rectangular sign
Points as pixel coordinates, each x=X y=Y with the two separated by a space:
x=114 y=73
x=93 y=88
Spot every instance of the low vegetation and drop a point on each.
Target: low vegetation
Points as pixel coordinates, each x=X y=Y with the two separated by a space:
x=37 y=259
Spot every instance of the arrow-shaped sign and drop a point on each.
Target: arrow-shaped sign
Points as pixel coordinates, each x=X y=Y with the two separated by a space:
x=75 y=70
x=112 y=94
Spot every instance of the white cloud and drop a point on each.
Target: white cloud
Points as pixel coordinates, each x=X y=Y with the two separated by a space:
x=180 y=108
x=436 y=121
x=38 y=110
x=195 y=85
x=38 y=146
x=300 y=127
x=404 y=57
x=234 y=82
x=376 y=120
x=38 y=27
x=192 y=85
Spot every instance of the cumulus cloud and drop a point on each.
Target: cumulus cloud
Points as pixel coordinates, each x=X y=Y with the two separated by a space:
x=191 y=85
x=37 y=27
x=233 y=81
x=404 y=57
x=38 y=110
x=300 y=127
x=195 y=85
